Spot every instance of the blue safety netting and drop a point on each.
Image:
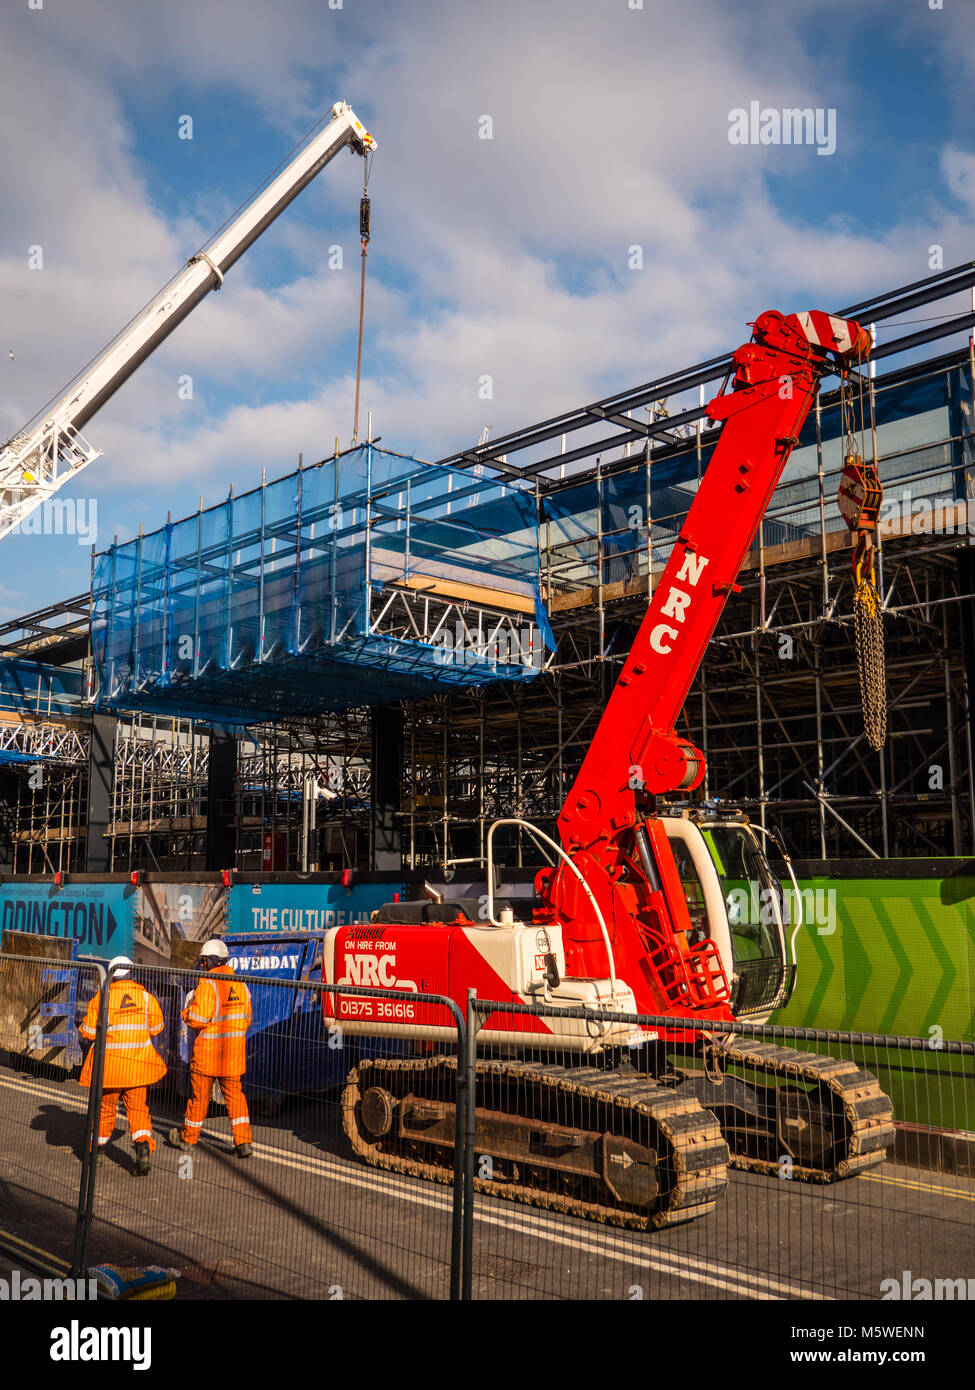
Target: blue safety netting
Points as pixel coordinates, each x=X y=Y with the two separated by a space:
x=283 y=600
x=594 y=528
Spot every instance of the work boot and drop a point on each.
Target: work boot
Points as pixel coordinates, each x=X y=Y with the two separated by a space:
x=142 y=1165
x=176 y=1141
x=243 y=1150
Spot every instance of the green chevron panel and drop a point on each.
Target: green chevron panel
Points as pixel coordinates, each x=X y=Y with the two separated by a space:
x=888 y=956
x=895 y=956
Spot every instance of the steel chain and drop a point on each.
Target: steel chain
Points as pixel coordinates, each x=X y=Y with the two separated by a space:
x=869 y=629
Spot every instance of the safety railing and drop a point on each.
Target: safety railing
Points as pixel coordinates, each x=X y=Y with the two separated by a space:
x=645 y=1158
x=42 y=1108
x=400 y=1149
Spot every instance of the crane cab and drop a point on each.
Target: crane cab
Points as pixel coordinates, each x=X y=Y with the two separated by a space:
x=734 y=899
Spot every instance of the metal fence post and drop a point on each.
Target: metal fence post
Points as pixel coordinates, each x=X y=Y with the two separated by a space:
x=460 y=1149
x=470 y=1106
x=86 y=1190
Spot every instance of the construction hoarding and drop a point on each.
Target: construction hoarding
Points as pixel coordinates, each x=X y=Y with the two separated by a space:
x=894 y=955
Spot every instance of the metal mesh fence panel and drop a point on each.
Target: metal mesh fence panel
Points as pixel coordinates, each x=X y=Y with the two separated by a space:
x=603 y=1156
x=295 y=1179
x=759 y=1163
x=42 y=1108
x=277 y=1184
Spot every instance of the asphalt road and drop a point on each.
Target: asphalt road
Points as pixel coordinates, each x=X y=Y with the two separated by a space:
x=305 y=1219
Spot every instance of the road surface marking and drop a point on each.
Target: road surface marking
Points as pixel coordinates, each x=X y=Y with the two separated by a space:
x=534 y=1223
x=523 y=1223
x=663 y=1262
x=922 y=1186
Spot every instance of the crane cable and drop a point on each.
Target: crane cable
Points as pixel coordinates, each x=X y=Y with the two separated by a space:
x=364 y=233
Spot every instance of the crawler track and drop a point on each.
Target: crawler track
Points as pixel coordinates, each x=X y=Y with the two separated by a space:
x=557 y=1137
x=827 y=1114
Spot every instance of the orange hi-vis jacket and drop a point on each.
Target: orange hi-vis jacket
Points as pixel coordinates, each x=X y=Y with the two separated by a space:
x=134 y=1019
x=220 y=1009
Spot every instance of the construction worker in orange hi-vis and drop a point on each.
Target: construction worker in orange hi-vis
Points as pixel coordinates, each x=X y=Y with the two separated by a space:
x=219 y=1009
x=131 y=1062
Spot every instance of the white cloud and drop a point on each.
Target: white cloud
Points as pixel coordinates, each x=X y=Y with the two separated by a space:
x=505 y=257
x=958 y=167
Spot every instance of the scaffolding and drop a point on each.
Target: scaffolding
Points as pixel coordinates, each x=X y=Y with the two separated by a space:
x=776 y=703
x=601 y=493
x=159 y=799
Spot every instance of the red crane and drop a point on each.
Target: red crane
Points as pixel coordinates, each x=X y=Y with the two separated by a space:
x=601 y=1117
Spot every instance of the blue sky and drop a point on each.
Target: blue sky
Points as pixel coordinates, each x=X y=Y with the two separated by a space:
x=505 y=257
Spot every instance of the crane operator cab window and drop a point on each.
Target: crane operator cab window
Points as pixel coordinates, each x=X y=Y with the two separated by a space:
x=754 y=897
x=693 y=889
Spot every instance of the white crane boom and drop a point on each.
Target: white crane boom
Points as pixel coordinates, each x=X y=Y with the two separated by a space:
x=50 y=449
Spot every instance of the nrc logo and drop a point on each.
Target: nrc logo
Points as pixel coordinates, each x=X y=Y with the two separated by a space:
x=677 y=602
x=372 y=970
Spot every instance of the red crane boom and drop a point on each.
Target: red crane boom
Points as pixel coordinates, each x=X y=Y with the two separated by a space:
x=636 y=752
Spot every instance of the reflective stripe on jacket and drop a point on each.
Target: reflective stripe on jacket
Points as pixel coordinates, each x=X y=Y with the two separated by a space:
x=134 y=1019
x=220 y=1010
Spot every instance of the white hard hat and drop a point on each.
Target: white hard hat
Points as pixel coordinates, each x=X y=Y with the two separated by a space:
x=215 y=948
x=119 y=960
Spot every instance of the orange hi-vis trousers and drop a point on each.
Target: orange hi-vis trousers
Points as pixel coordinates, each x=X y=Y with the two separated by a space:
x=199 y=1103
x=134 y=1098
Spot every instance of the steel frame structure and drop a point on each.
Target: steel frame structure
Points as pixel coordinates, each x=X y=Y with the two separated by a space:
x=783 y=735
x=775 y=707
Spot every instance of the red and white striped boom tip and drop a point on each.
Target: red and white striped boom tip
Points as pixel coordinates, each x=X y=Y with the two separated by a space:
x=845 y=337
